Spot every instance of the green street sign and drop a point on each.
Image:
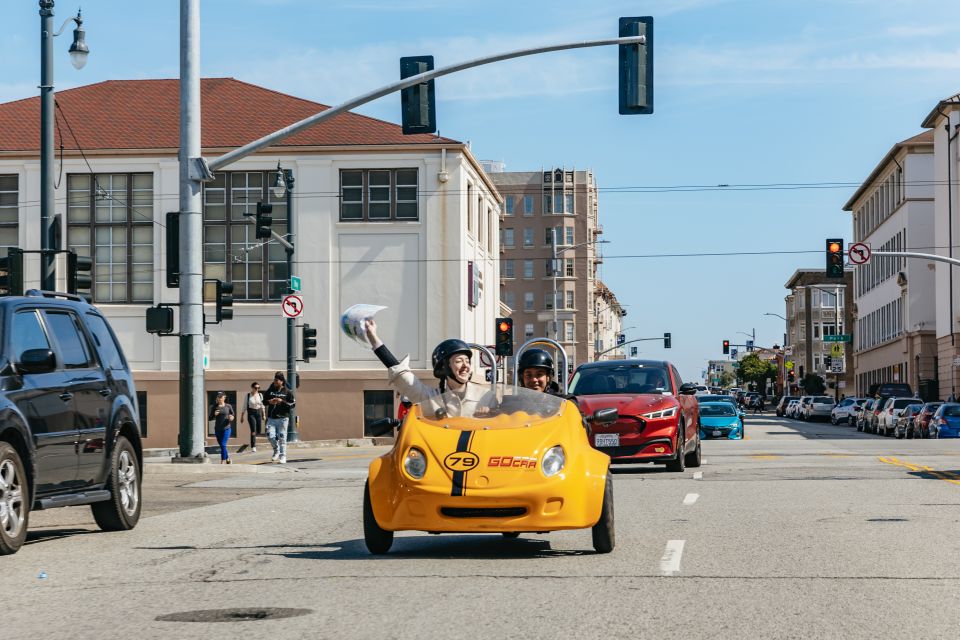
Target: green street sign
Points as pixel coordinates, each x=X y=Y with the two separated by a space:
x=843 y=337
x=295 y=283
x=736 y=365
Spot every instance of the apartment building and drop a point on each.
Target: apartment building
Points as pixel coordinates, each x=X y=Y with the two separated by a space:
x=816 y=307
x=894 y=309
x=549 y=258
x=408 y=222
x=944 y=123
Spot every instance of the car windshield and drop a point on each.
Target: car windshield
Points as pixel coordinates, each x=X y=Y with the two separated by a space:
x=952 y=410
x=933 y=406
x=498 y=408
x=634 y=378
x=716 y=409
x=713 y=398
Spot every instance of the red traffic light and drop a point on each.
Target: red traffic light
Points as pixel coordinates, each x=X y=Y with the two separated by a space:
x=504 y=326
x=834 y=247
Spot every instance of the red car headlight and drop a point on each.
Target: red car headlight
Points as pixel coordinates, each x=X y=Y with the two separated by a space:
x=669 y=412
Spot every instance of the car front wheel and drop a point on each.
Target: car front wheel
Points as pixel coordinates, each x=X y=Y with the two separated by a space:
x=122 y=511
x=14 y=500
x=604 y=536
x=678 y=464
x=378 y=540
x=695 y=457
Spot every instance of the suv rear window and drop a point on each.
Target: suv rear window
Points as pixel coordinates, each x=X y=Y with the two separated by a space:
x=106 y=344
x=823 y=400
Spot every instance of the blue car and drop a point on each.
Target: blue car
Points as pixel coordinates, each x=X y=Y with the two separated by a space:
x=721 y=420
x=945 y=423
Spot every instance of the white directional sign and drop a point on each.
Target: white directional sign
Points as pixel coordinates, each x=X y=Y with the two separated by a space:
x=292 y=306
x=858 y=253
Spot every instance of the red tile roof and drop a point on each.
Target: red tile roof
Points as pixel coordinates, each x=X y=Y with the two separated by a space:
x=145 y=114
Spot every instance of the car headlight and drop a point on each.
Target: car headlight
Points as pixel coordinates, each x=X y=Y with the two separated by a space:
x=665 y=413
x=415 y=463
x=553 y=461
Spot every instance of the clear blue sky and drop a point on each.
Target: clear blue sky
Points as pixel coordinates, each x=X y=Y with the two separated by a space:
x=747 y=93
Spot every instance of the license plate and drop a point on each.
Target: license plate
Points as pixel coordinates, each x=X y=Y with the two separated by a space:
x=716 y=434
x=607 y=439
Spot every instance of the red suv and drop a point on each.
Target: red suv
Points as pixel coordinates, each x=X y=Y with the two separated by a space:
x=658 y=414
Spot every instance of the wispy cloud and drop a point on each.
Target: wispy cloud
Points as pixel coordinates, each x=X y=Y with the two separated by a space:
x=919 y=31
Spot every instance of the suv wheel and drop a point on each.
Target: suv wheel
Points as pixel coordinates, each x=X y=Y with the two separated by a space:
x=696 y=456
x=678 y=464
x=122 y=511
x=14 y=500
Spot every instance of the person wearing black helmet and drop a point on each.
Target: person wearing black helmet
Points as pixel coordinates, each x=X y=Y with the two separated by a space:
x=536 y=371
x=451 y=365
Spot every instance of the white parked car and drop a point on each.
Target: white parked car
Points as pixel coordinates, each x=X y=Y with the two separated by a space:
x=702 y=390
x=791 y=410
x=819 y=407
x=892 y=408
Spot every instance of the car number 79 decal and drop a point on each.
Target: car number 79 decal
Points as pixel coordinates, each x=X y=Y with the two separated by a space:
x=461 y=461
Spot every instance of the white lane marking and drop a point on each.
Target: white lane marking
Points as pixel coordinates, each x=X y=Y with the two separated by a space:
x=670 y=562
x=698 y=475
x=691 y=498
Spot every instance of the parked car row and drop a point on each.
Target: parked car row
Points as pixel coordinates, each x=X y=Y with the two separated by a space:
x=806 y=407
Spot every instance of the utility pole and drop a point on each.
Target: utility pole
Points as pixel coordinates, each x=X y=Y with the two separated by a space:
x=293 y=434
x=47 y=263
x=192 y=402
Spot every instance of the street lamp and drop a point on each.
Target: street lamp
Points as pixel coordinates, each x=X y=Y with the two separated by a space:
x=283 y=185
x=776 y=314
x=78 y=57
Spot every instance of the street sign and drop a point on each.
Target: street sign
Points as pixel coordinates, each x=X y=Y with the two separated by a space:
x=843 y=337
x=295 y=284
x=836 y=366
x=633 y=352
x=788 y=364
x=621 y=338
x=733 y=353
x=749 y=345
x=858 y=253
x=836 y=350
x=292 y=306
x=788 y=351
x=736 y=365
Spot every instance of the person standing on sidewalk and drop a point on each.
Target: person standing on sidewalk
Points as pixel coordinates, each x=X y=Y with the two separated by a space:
x=255 y=413
x=279 y=400
x=223 y=416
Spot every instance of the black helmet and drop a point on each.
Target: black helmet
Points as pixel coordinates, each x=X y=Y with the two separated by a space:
x=535 y=358
x=442 y=354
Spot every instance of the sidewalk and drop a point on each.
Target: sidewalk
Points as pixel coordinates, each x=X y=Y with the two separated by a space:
x=246 y=461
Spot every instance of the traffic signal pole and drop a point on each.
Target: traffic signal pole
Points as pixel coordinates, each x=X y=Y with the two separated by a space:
x=293 y=434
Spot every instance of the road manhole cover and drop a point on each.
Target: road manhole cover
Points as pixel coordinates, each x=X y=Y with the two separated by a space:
x=233 y=615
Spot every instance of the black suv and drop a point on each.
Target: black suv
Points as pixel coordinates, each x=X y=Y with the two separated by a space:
x=69 y=424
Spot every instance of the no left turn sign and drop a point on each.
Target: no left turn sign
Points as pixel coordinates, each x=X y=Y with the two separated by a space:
x=858 y=253
x=292 y=306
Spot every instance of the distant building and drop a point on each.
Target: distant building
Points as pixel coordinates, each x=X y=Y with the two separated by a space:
x=409 y=222
x=541 y=208
x=944 y=120
x=811 y=312
x=894 y=309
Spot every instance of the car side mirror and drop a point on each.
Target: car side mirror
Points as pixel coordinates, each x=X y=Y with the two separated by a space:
x=688 y=389
x=383 y=426
x=609 y=415
x=37 y=361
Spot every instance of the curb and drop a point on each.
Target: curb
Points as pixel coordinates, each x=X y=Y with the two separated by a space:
x=172 y=452
x=152 y=468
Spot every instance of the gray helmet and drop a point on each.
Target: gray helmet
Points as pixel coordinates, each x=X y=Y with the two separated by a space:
x=442 y=354
x=535 y=358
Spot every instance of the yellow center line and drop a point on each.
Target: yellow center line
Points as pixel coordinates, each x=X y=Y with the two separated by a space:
x=946 y=476
x=765 y=456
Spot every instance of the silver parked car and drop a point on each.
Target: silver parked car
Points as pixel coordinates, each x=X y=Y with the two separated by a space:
x=819 y=408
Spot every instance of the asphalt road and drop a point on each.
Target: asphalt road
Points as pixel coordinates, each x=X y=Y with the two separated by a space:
x=799 y=531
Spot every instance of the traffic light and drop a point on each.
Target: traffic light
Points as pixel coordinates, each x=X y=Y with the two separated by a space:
x=224 y=301
x=726 y=347
x=835 y=257
x=827 y=361
x=667 y=341
x=264 y=219
x=79 y=281
x=309 y=348
x=791 y=376
x=11 y=273
x=636 y=67
x=418 y=104
x=173 y=249
x=504 y=341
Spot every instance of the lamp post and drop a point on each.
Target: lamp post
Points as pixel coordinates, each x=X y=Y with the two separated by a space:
x=78 y=56
x=283 y=185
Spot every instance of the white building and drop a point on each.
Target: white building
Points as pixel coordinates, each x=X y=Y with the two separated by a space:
x=893 y=209
x=944 y=121
x=409 y=222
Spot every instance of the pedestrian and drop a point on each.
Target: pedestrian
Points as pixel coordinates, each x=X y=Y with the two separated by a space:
x=223 y=416
x=255 y=413
x=279 y=401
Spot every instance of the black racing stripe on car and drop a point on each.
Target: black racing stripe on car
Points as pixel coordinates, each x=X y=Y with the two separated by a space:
x=459 y=477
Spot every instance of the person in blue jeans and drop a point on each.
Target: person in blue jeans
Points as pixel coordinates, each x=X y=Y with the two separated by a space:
x=223 y=417
x=279 y=400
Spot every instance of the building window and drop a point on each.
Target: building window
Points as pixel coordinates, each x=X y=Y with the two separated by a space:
x=569 y=329
x=509 y=299
x=548 y=299
x=528 y=268
x=528 y=301
x=260 y=273
x=570 y=302
x=376 y=406
x=508 y=269
x=569 y=267
x=569 y=238
x=508 y=240
x=528 y=330
x=142 y=409
x=110 y=219
x=9 y=213
x=528 y=237
x=509 y=202
x=377 y=194
x=528 y=206
x=569 y=204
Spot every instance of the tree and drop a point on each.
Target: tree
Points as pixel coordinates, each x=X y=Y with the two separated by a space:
x=753 y=369
x=812 y=384
x=727 y=379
